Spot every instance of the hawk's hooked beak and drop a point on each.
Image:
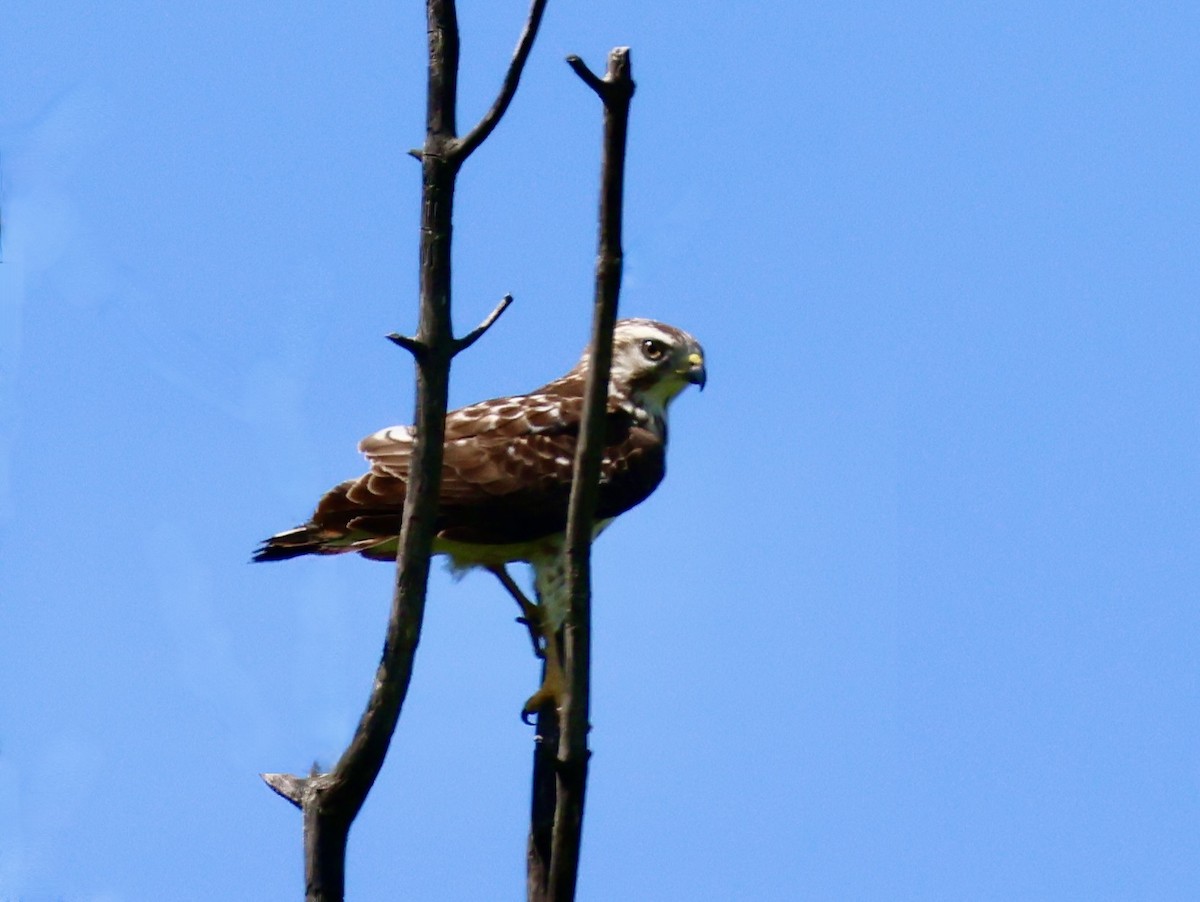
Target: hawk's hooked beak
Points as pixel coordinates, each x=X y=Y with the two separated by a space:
x=696 y=373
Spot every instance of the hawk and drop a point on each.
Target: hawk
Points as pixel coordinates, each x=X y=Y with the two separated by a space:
x=506 y=477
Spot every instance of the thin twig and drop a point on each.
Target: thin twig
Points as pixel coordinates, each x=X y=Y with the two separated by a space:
x=476 y=136
x=461 y=344
x=590 y=78
x=289 y=786
x=616 y=91
x=412 y=345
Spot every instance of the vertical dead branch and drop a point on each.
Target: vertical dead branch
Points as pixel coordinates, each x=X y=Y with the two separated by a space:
x=615 y=91
x=542 y=806
x=330 y=801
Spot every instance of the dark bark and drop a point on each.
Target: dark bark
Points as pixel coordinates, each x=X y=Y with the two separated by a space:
x=542 y=806
x=332 y=800
x=571 y=765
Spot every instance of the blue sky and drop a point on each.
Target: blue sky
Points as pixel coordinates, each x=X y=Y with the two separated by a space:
x=914 y=614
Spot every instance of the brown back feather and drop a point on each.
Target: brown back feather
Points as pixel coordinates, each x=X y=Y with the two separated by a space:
x=506 y=474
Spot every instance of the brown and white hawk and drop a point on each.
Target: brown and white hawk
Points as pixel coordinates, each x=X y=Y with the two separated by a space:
x=506 y=474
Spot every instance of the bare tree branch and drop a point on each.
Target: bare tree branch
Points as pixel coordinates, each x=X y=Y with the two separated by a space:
x=419 y=349
x=412 y=345
x=461 y=344
x=330 y=801
x=590 y=78
x=615 y=91
x=476 y=136
x=289 y=786
x=542 y=804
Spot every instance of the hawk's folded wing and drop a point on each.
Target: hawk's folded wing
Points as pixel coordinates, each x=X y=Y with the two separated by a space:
x=506 y=474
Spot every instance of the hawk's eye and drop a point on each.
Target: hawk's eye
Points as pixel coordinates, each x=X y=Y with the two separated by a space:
x=654 y=350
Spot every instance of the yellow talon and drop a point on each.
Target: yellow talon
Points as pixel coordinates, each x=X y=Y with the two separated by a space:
x=549 y=693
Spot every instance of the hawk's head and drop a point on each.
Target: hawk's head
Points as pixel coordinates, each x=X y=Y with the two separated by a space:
x=652 y=363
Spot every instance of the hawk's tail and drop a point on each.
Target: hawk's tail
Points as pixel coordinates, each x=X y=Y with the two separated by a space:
x=339 y=525
x=304 y=539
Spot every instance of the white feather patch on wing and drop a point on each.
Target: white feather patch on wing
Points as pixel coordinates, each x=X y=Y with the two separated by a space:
x=389 y=450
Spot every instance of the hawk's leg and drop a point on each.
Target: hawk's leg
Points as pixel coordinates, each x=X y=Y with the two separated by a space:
x=537 y=620
x=553 y=680
x=530 y=613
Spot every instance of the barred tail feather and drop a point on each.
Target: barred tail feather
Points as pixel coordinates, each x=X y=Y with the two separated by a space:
x=292 y=543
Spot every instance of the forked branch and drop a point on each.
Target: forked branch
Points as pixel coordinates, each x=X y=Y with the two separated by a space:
x=419 y=349
x=476 y=136
x=330 y=801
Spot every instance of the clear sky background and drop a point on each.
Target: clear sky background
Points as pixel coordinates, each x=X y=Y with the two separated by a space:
x=914 y=615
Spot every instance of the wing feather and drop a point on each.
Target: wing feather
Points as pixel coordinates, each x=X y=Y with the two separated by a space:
x=506 y=474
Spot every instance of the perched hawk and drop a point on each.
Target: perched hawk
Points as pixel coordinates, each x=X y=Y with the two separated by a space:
x=506 y=475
